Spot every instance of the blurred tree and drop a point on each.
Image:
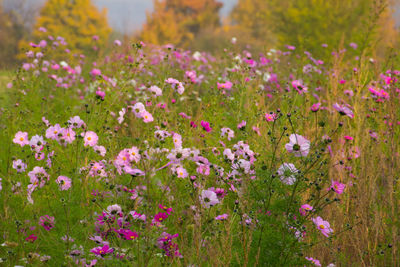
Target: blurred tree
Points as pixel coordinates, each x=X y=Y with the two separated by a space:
x=180 y=21
x=307 y=24
x=251 y=22
x=8 y=39
x=77 y=21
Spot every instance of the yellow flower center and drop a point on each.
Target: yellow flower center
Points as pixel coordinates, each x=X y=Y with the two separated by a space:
x=21 y=139
x=322 y=226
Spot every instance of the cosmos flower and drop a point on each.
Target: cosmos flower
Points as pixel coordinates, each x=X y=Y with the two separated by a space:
x=208 y=198
x=337 y=187
x=298 y=145
x=21 y=138
x=90 y=138
x=19 y=165
x=287 y=173
x=47 y=222
x=343 y=110
x=64 y=182
x=323 y=226
x=305 y=208
x=102 y=251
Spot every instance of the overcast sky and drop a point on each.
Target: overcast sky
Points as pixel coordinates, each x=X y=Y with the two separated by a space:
x=123 y=15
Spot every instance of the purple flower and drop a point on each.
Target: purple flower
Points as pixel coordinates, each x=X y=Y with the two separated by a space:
x=343 y=110
x=102 y=251
x=47 y=222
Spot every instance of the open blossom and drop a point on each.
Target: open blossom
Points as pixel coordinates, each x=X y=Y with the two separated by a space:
x=90 y=138
x=337 y=187
x=221 y=217
x=37 y=143
x=101 y=150
x=76 y=122
x=64 y=182
x=181 y=172
x=226 y=85
x=228 y=132
x=146 y=116
x=165 y=243
x=299 y=86
x=19 y=165
x=287 y=173
x=21 y=138
x=206 y=126
x=208 y=198
x=298 y=145
x=67 y=135
x=314 y=261
x=155 y=91
x=344 y=110
x=102 y=251
x=38 y=176
x=323 y=226
x=242 y=125
x=270 y=116
x=54 y=132
x=315 y=107
x=47 y=222
x=305 y=208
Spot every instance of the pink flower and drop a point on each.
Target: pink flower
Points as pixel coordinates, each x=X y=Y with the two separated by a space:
x=298 y=145
x=155 y=90
x=90 y=138
x=305 y=208
x=315 y=107
x=208 y=198
x=242 y=125
x=102 y=251
x=21 y=138
x=314 y=261
x=67 y=135
x=270 y=116
x=298 y=85
x=343 y=110
x=227 y=131
x=147 y=117
x=31 y=238
x=206 y=126
x=117 y=43
x=181 y=172
x=76 y=122
x=53 y=132
x=19 y=165
x=227 y=85
x=222 y=217
x=287 y=173
x=128 y=234
x=95 y=72
x=38 y=176
x=64 y=182
x=323 y=226
x=337 y=187
x=47 y=222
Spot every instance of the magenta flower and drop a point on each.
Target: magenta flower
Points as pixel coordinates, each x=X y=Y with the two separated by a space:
x=64 y=182
x=159 y=218
x=102 y=251
x=323 y=226
x=206 y=126
x=343 y=110
x=305 y=208
x=270 y=116
x=337 y=187
x=90 y=138
x=21 y=138
x=128 y=234
x=242 y=125
x=227 y=85
x=298 y=145
x=208 y=198
x=165 y=243
x=95 y=72
x=31 y=238
x=315 y=107
x=47 y=222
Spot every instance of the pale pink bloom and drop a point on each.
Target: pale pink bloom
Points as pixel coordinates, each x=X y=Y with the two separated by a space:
x=134 y=172
x=287 y=173
x=298 y=145
x=76 y=122
x=323 y=226
x=21 y=138
x=226 y=85
x=228 y=132
x=138 y=216
x=147 y=117
x=19 y=165
x=114 y=209
x=37 y=143
x=181 y=172
x=343 y=110
x=38 y=176
x=121 y=115
x=155 y=90
x=208 y=198
x=64 y=182
x=314 y=261
x=68 y=135
x=221 y=217
x=138 y=109
x=134 y=154
x=101 y=150
x=54 y=132
x=117 y=43
x=177 y=139
x=90 y=138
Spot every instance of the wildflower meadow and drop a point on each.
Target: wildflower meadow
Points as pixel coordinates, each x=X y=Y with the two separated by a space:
x=161 y=156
